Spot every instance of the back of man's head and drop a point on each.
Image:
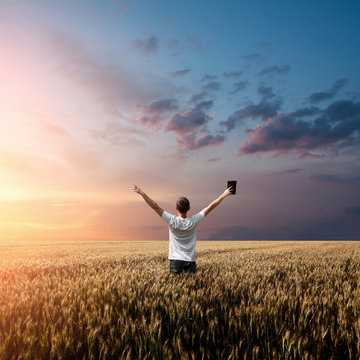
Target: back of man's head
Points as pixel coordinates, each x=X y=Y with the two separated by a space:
x=183 y=205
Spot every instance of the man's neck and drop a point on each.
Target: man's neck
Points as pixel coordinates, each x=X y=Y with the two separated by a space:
x=182 y=215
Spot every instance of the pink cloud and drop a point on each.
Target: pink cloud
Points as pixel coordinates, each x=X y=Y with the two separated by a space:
x=335 y=127
x=190 y=124
x=153 y=114
x=114 y=86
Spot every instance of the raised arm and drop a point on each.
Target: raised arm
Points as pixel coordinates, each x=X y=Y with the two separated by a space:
x=216 y=202
x=148 y=200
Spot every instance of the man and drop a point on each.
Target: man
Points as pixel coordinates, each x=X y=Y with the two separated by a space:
x=182 y=230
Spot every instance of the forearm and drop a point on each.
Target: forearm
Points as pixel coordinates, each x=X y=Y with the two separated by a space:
x=149 y=201
x=216 y=202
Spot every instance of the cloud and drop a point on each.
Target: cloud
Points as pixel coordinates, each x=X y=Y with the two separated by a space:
x=269 y=71
x=251 y=57
x=232 y=74
x=52 y=129
x=264 y=109
x=153 y=113
x=195 y=42
x=179 y=73
x=209 y=77
x=340 y=228
x=264 y=45
x=115 y=86
x=285 y=172
x=173 y=43
x=115 y=133
x=265 y=92
x=335 y=127
x=303 y=112
x=167 y=20
x=213 y=160
x=334 y=179
x=198 y=97
x=189 y=141
x=190 y=127
x=353 y=210
x=204 y=105
x=188 y=121
x=120 y=6
x=157 y=106
x=147 y=46
x=212 y=86
x=239 y=86
x=317 y=97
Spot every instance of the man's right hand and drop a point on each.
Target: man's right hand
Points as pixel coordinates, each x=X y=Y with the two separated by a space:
x=136 y=189
x=228 y=191
x=216 y=202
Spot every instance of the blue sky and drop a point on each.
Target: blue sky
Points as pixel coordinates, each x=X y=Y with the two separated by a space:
x=180 y=97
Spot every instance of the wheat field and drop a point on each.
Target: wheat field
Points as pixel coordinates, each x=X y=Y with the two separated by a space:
x=117 y=300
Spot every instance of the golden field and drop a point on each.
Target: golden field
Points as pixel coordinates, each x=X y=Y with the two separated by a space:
x=117 y=300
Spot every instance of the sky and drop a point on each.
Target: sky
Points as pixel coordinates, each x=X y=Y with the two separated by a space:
x=179 y=97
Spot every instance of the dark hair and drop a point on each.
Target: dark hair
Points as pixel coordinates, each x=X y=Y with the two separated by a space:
x=183 y=205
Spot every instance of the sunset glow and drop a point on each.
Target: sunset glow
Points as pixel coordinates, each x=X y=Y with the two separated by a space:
x=179 y=98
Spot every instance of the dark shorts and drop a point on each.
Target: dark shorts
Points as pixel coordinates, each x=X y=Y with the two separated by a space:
x=178 y=266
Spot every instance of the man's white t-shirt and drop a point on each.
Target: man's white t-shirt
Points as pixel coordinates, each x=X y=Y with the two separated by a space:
x=182 y=235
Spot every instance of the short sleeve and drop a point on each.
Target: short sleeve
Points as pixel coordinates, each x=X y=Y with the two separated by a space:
x=198 y=217
x=166 y=217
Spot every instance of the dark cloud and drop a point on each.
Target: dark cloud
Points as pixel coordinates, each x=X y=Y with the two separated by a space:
x=198 y=97
x=335 y=127
x=195 y=43
x=303 y=112
x=212 y=86
x=179 y=73
x=157 y=106
x=246 y=233
x=147 y=46
x=153 y=113
x=204 y=105
x=209 y=77
x=335 y=179
x=340 y=228
x=232 y=74
x=167 y=20
x=188 y=121
x=251 y=57
x=265 y=45
x=173 y=43
x=353 y=210
x=239 y=86
x=264 y=109
x=317 y=97
x=190 y=128
x=274 y=70
x=265 y=92
x=284 y=172
x=343 y=109
x=189 y=141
